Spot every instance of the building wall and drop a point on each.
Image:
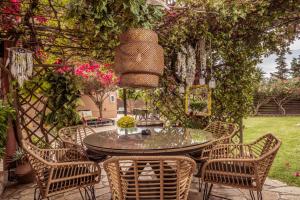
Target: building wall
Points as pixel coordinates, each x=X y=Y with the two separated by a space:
x=109 y=106
x=131 y=104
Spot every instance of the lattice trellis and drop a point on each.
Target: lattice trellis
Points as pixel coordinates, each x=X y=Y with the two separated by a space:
x=31 y=106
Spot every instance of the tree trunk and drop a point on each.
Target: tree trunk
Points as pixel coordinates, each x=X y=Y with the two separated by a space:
x=280 y=105
x=256 y=109
x=241 y=125
x=98 y=102
x=100 y=107
x=259 y=104
x=125 y=101
x=282 y=108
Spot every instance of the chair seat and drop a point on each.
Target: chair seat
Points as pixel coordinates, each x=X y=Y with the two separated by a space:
x=69 y=183
x=150 y=188
x=224 y=174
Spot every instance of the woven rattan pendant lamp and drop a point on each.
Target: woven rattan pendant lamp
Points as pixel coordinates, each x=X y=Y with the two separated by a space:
x=139 y=59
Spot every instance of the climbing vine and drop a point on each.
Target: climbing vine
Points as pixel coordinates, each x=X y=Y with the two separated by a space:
x=229 y=39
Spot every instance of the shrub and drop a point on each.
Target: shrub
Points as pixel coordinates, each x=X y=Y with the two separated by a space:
x=5 y=112
x=198 y=105
x=126 y=122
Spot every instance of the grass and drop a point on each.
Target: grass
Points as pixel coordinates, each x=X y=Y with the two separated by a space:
x=287 y=129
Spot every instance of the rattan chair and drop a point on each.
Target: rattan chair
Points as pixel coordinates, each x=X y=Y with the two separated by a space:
x=242 y=166
x=147 y=177
x=74 y=136
x=61 y=170
x=225 y=133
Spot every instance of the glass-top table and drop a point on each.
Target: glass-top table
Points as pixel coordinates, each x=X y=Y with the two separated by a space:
x=148 y=141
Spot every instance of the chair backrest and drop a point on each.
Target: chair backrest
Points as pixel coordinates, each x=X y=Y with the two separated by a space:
x=145 y=177
x=75 y=134
x=265 y=150
x=221 y=129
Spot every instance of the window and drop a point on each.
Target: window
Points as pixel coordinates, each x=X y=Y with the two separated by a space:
x=112 y=98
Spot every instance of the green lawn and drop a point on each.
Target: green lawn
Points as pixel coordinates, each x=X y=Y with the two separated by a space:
x=287 y=129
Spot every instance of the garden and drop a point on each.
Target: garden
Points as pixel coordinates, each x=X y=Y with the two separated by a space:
x=148 y=99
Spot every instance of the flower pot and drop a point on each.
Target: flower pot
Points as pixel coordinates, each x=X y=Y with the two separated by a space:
x=139 y=59
x=24 y=173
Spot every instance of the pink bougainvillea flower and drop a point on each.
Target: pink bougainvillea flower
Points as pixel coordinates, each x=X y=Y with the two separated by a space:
x=41 y=19
x=40 y=54
x=97 y=72
x=10 y=16
x=62 y=69
x=58 y=61
x=107 y=65
x=297 y=174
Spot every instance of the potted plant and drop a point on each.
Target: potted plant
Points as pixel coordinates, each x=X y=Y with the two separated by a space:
x=126 y=122
x=24 y=173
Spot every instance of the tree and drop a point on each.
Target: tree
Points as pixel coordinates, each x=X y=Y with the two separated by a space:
x=295 y=67
x=237 y=35
x=283 y=91
x=262 y=94
x=98 y=80
x=282 y=69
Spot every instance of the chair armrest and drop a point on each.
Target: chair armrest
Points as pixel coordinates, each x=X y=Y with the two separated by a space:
x=233 y=151
x=64 y=155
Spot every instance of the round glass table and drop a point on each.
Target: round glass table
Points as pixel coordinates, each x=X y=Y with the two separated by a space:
x=147 y=141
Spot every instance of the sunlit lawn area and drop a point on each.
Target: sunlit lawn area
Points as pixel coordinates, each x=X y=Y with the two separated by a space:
x=287 y=129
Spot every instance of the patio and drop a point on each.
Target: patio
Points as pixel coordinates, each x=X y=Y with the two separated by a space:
x=193 y=65
x=272 y=190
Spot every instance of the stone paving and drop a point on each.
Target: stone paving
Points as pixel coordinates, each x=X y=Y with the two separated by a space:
x=273 y=190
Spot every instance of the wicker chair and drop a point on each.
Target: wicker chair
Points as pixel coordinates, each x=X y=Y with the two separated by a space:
x=144 y=177
x=243 y=166
x=73 y=136
x=225 y=134
x=61 y=170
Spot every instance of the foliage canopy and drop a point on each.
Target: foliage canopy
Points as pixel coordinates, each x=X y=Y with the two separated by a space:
x=236 y=33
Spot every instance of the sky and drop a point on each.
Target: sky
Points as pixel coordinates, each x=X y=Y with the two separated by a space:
x=268 y=65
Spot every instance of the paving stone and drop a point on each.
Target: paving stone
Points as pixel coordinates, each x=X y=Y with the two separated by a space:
x=274 y=183
x=27 y=191
x=103 y=191
x=290 y=197
x=267 y=195
x=287 y=190
x=273 y=190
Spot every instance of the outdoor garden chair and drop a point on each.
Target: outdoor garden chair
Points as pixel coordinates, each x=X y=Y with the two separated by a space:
x=242 y=166
x=223 y=131
x=225 y=134
x=149 y=177
x=74 y=136
x=61 y=170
